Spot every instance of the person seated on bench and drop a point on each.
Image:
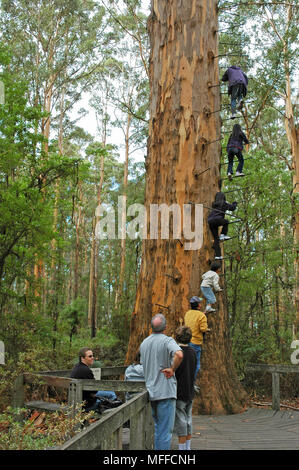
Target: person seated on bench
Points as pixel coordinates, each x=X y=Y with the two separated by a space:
x=134 y=372
x=82 y=370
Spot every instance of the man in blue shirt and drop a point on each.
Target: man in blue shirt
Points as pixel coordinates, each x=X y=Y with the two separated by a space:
x=160 y=357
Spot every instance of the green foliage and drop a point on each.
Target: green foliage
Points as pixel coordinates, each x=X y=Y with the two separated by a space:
x=19 y=431
x=48 y=196
x=260 y=277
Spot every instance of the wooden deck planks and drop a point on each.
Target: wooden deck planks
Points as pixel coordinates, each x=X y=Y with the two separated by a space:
x=255 y=429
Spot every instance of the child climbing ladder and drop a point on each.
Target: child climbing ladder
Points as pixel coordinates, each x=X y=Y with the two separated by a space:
x=210 y=281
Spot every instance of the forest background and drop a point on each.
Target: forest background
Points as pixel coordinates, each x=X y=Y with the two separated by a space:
x=60 y=287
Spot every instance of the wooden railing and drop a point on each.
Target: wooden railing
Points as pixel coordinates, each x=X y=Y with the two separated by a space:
x=106 y=433
x=275 y=370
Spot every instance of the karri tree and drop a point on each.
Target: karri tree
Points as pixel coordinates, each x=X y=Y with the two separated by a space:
x=184 y=150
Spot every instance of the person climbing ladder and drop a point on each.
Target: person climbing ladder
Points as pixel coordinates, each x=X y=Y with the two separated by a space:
x=217 y=219
x=198 y=324
x=237 y=86
x=210 y=283
x=235 y=147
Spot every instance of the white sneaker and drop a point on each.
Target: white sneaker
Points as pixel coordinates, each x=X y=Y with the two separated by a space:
x=221 y=237
x=233 y=116
x=230 y=176
x=226 y=237
x=218 y=257
x=210 y=309
x=239 y=174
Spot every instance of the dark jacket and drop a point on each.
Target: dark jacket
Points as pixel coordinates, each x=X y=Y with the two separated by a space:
x=219 y=212
x=82 y=371
x=185 y=374
x=237 y=143
x=233 y=76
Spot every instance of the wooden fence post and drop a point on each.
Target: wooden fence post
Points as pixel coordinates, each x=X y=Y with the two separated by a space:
x=137 y=430
x=275 y=391
x=18 y=392
x=75 y=394
x=149 y=428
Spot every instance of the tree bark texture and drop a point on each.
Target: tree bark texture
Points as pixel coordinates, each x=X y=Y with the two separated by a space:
x=184 y=141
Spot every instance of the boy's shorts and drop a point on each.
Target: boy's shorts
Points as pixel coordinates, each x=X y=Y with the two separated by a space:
x=208 y=294
x=183 y=418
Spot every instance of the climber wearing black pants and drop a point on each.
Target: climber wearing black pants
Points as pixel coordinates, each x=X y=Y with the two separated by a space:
x=214 y=226
x=217 y=219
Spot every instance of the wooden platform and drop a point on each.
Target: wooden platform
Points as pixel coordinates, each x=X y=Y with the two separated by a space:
x=255 y=429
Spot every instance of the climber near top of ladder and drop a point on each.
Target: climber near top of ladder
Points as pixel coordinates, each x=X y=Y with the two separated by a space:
x=237 y=87
x=216 y=219
x=235 y=147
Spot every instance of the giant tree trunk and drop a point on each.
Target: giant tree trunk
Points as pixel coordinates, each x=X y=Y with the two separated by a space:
x=184 y=140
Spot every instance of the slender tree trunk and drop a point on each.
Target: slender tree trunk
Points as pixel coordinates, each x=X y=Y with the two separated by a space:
x=292 y=132
x=78 y=222
x=85 y=266
x=54 y=290
x=91 y=275
x=93 y=279
x=120 y=285
x=276 y=308
x=61 y=151
x=184 y=140
x=39 y=268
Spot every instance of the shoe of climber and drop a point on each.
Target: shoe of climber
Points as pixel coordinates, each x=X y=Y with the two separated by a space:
x=238 y=173
x=233 y=116
x=196 y=388
x=224 y=237
x=210 y=309
x=230 y=176
x=218 y=257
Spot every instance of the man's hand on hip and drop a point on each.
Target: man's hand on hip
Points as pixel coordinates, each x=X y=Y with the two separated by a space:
x=168 y=372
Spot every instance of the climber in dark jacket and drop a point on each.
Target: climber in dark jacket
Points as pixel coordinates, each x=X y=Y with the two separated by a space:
x=237 y=86
x=217 y=219
x=235 y=147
